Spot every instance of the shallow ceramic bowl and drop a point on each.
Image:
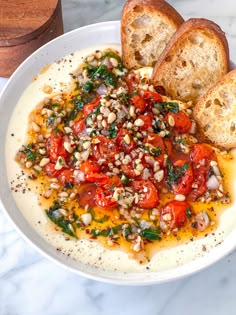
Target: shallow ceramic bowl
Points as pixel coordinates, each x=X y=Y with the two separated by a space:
x=102 y=33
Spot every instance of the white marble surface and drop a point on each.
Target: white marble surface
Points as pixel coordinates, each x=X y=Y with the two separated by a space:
x=32 y=285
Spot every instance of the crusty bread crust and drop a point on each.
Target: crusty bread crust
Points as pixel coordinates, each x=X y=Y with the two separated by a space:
x=215 y=112
x=146 y=28
x=196 y=57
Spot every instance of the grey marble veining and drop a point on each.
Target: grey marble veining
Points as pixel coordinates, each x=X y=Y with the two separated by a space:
x=32 y=285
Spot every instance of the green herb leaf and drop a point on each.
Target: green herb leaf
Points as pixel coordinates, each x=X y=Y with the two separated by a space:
x=125 y=179
x=61 y=222
x=188 y=213
x=30 y=154
x=111 y=54
x=151 y=234
x=169 y=107
x=112 y=131
x=98 y=220
x=175 y=173
x=106 y=232
x=88 y=86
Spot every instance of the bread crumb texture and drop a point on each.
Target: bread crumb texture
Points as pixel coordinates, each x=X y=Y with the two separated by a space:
x=215 y=112
x=195 y=59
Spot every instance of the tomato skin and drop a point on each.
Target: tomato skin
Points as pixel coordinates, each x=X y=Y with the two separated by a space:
x=66 y=176
x=156 y=142
x=104 y=194
x=173 y=214
x=89 y=167
x=97 y=178
x=201 y=155
x=202 y=151
x=55 y=147
x=168 y=146
x=147 y=119
x=182 y=121
x=139 y=103
x=128 y=170
x=86 y=195
x=125 y=147
x=152 y=97
x=200 y=182
x=88 y=108
x=79 y=126
x=50 y=170
x=149 y=193
x=184 y=184
x=105 y=149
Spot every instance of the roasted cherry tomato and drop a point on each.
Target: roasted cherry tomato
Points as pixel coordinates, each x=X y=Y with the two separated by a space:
x=89 y=167
x=147 y=119
x=79 y=126
x=168 y=146
x=86 y=195
x=104 y=150
x=66 y=177
x=51 y=171
x=184 y=182
x=104 y=194
x=203 y=154
x=156 y=147
x=199 y=184
x=152 y=97
x=124 y=141
x=182 y=121
x=147 y=193
x=139 y=103
x=128 y=170
x=88 y=108
x=97 y=178
x=55 y=147
x=174 y=214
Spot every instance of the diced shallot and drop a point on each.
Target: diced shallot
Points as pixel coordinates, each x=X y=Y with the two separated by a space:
x=102 y=89
x=79 y=176
x=202 y=220
x=212 y=183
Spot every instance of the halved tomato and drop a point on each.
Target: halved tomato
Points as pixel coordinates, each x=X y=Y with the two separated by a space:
x=88 y=108
x=139 y=103
x=66 y=177
x=79 y=126
x=174 y=213
x=51 y=171
x=104 y=149
x=89 y=167
x=147 y=192
x=55 y=147
x=182 y=121
x=104 y=194
x=147 y=119
x=184 y=182
x=124 y=141
x=152 y=97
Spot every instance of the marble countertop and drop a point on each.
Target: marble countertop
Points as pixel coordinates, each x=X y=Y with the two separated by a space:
x=32 y=285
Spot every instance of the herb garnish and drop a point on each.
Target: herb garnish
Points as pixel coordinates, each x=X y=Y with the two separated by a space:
x=175 y=173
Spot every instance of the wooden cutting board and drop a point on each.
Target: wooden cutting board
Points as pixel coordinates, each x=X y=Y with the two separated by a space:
x=25 y=25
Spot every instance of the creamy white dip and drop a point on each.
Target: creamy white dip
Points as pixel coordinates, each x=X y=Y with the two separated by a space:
x=88 y=252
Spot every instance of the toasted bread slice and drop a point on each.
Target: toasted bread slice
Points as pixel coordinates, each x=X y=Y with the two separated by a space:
x=146 y=28
x=196 y=57
x=215 y=112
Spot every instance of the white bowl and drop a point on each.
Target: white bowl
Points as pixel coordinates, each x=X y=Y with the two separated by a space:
x=194 y=258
